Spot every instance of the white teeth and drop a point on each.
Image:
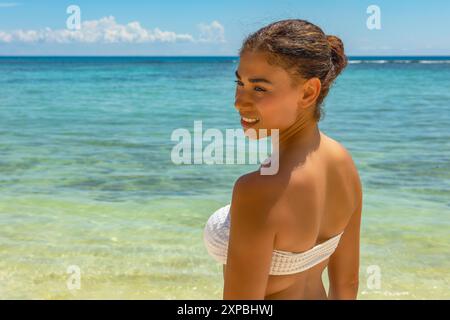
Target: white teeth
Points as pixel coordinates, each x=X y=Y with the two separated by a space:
x=249 y=120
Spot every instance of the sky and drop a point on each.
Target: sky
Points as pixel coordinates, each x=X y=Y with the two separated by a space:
x=216 y=27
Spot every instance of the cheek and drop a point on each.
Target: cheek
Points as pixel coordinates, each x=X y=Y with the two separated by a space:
x=277 y=111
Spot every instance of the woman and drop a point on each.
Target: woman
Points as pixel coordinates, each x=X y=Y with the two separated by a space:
x=281 y=231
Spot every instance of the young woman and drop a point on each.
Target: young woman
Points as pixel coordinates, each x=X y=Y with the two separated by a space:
x=281 y=231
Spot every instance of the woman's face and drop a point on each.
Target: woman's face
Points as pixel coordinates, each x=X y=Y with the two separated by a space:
x=265 y=97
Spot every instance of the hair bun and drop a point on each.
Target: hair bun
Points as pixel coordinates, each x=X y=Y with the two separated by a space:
x=338 y=57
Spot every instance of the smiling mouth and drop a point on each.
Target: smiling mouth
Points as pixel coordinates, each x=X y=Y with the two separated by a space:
x=249 y=121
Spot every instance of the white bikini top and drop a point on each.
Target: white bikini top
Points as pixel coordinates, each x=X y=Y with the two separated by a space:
x=216 y=235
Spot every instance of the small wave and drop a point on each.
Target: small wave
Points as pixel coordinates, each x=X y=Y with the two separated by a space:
x=434 y=61
x=367 y=61
x=399 y=61
x=403 y=61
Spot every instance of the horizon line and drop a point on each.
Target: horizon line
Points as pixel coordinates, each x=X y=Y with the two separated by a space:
x=203 y=56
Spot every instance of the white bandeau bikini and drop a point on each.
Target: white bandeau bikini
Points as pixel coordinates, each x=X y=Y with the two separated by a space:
x=216 y=234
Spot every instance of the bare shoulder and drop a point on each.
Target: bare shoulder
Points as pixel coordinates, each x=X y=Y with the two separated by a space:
x=337 y=150
x=255 y=188
x=255 y=184
x=255 y=195
x=340 y=156
x=342 y=160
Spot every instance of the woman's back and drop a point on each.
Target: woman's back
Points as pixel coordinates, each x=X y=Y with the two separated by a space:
x=318 y=199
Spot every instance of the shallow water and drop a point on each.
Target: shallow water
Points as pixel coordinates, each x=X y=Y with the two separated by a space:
x=86 y=176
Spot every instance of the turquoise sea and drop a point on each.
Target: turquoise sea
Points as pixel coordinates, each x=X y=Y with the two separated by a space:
x=86 y=177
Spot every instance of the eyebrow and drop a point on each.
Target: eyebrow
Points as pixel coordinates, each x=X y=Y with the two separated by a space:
x=254 y=80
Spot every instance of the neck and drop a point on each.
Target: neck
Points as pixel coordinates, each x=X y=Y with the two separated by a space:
x=302 y=134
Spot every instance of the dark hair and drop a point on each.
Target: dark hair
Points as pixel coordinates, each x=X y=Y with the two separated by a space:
x=302 y=49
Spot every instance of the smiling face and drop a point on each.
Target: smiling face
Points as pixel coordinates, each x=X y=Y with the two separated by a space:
x=265 y=95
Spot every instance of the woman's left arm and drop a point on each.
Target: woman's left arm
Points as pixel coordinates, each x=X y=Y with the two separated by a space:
x=251 y=241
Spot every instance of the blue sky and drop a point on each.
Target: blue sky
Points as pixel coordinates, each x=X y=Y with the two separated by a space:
x=215 y=27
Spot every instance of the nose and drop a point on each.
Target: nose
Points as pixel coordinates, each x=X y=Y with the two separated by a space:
x=242 y=103
x=237 y=104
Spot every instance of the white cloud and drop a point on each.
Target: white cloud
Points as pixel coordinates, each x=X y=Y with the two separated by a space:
x=104 y=30
x=107 y=30
x=9 y=4
x=5 y=37
x=213 y=32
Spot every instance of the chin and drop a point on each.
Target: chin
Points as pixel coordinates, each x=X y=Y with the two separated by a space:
x=255 y=133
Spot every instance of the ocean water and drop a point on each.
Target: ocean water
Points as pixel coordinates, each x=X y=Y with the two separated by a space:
x=87 y=182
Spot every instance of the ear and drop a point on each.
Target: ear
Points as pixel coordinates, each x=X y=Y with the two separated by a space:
x=309 y=92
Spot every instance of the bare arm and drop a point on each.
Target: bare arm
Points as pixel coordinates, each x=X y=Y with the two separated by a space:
x=343 y=267
x=250 y=244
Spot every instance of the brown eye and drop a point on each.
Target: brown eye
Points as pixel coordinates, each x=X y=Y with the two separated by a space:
x=260 y=89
